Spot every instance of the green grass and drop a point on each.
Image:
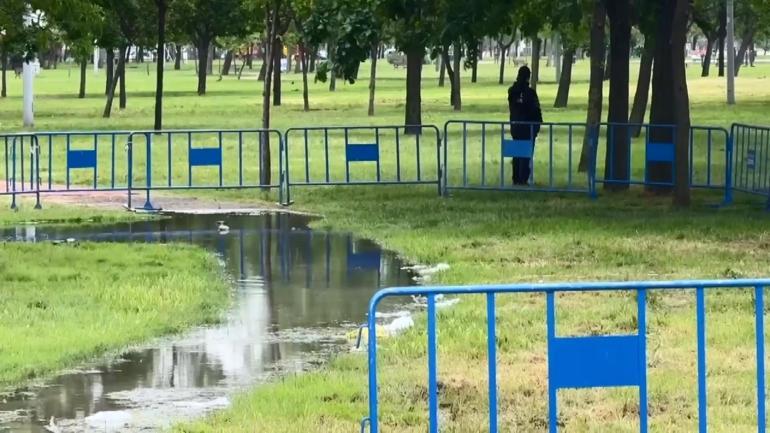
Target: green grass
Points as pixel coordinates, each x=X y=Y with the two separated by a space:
x=61 y=305
x=53 y=214
x=489 y=237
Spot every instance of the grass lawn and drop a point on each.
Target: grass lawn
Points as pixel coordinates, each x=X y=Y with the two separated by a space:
x=61 y=305
x=489 y=237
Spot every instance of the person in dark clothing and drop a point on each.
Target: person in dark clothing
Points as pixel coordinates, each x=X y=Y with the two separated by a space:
x=524 y=107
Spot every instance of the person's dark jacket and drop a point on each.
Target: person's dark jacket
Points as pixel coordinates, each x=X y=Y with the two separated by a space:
x=524 y=106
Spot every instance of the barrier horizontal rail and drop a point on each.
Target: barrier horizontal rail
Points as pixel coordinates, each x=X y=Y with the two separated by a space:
x=479 y=155
x=597 y=361
x=362 y=155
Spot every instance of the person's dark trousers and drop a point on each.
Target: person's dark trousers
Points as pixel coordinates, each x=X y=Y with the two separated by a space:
x=521 y=171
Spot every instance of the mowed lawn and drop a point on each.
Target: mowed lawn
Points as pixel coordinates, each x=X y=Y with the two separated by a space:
x=494 y=237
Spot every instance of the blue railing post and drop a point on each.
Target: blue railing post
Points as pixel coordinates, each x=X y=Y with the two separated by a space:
x=372 y=361
x=13 y=175
x=759 y=311
x=147 y=203
x=36 y=172
x=641 y=297
x=432 y=366
x=492 y=362
x=701 y=325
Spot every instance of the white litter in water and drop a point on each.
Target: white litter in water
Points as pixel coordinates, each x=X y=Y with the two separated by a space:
x=109 y=420
x=425 y=273
x=390 y=315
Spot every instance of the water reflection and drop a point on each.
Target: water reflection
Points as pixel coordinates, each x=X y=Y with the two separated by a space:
x=296 y=291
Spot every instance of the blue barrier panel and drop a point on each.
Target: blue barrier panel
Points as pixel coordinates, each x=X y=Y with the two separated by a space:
x=322 y=156
x=652 y=155
x=485 y=155
x=19 y=180
x=577 y=361
x=750 y=160
x=145 y=161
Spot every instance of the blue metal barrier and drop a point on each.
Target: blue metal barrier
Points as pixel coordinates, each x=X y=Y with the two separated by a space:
x=362 y=155
x=749 y=169
x=476 y=155
x=150 y=161
x=574 y=362
x=654 y=146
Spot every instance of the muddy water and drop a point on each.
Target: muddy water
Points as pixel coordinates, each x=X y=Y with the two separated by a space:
x=298 y=294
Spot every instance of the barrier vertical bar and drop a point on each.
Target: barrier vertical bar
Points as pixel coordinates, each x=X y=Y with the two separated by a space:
x=189 y=166
x=240 y=158
x=728 y=198
x=708 y=158
x=502 y=156
x=7 y=176
x=641 y=297
x=169 y=140
x=307 y=159
x=68 y=164
x=569 y=156
x=347 y=161
x=432 y=366
x=766 y=152
x=701 y=325
x=757 y=157
x=532 y=160
x=465 y=150
x=398 y=155
x=148 y=170
x=13 y=176
x=759 y=309
x=551 y=326
x=550 y=154
x=112 y=165
x=130 y=162
x=96 y=160
x=377 y=140
x=326 y=152
x=492 y=362
x=692 y=153
x=483 y=154
x=37 y=172
x=219 y=139
x=50 y=162
x=419 y=166
x=21 y=165
x=32 y=140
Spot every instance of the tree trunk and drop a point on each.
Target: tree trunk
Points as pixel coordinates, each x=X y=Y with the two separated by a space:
x=83 y=71
x=299 y=64
x=109 y=69
x=670 y=102
x=114 y=81
x=228 y=63
x=123 y=95
x=618 y=146
x=545 y=53
x=706 y=66
x=264 y=142
x=413 y=110
x=722 y=36
x=642 y=86
x=313 y=61
x=475 y=69
x=747 y=38
x=503 y=49
x=277 y=55
x=210 y=59
x=442 y=72
x=608 y=64
x=178 y=57
x=670 y=105
x=536 y=42
x=332 y=74
x=250 y=57
x=262 y=70
x=455 y=96
x=596 y=87
x=305 y=92
x=3 y=79
x=373 y=78
x=203 y=60
x=565 y=80
x=160 y=63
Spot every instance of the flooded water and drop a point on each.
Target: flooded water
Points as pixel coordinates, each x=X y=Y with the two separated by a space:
x=298 y=295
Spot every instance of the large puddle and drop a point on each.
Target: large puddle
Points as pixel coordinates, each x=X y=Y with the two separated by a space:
x=298 y=295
